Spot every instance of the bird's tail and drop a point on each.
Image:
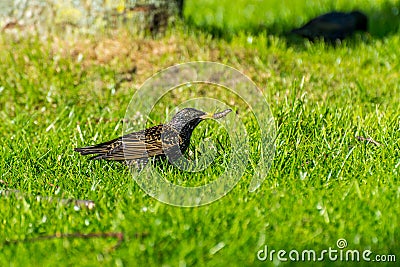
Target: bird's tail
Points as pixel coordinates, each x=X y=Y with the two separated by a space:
x=298 y=31
x=99 y=149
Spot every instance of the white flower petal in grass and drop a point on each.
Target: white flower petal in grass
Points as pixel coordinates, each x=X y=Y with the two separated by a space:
x=217 y=248
x=303 y=175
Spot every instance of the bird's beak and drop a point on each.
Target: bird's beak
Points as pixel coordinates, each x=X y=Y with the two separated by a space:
x=216 y=115
x=206 y=116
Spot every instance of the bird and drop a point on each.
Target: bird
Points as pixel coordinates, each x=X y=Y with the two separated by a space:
x=171 y=139
x=333 y=26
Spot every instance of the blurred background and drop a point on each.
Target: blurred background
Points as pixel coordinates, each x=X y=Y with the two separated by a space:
x=220 y=18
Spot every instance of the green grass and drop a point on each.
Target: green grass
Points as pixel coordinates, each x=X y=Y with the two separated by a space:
x=323 y=184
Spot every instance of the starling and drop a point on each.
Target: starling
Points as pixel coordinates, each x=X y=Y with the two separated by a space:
x=170 y=139
x=333 y=26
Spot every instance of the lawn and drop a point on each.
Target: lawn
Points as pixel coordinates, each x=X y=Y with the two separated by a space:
x=335 y=173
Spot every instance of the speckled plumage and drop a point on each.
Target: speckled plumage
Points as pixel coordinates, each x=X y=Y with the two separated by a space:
x=136 y=148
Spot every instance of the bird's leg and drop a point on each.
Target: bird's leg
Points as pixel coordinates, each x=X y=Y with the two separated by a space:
x=138 y=164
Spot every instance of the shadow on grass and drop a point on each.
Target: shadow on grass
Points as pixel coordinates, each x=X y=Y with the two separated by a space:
x=384 y=21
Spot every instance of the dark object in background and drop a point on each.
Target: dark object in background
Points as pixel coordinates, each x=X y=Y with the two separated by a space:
x=333 y=26
x=180 y=4
x=153 y=16
x=171 y=138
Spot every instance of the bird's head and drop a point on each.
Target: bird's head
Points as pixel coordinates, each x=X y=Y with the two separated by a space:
x=361 y=20
x=192 y=117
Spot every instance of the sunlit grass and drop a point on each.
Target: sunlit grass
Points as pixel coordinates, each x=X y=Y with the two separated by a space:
x=324 y=184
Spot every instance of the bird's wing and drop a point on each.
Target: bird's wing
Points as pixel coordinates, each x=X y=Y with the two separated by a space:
x=133 y=146
x=136 y=145
x=151 y=142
